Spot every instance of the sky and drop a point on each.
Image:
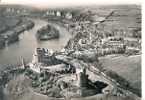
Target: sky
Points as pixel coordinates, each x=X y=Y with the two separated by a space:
x=47 y=3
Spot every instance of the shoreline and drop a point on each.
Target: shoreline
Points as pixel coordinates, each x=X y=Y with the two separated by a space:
x=122 y=86
x=12 y=36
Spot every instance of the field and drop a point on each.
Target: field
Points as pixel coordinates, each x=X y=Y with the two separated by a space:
x=127 y=67
x=123 y=18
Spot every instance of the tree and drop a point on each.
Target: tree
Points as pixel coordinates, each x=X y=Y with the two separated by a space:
x=136 y=33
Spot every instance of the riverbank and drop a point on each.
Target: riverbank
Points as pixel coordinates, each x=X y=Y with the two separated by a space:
x=81 y=53
x=28 y=42
x=12 y=35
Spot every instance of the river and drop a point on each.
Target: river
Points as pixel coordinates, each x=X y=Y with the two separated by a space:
x=27 y=43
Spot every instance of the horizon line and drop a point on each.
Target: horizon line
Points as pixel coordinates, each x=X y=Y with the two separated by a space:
x=68 y=3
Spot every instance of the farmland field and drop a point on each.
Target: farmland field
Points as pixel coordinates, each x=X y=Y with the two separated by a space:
x=127 y=67
x=96 y=57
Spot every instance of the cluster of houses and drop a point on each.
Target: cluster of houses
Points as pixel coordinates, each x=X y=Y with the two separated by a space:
x=58 y=13
x=106 y=42
x=16 y=11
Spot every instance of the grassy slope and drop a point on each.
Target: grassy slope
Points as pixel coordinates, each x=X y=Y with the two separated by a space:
x=124 y=17
x=127 y=67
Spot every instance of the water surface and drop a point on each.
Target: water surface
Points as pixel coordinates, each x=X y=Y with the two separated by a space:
x=28 y=42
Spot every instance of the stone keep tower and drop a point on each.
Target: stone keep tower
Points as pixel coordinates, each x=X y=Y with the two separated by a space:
x=39 y=55
x=82 y=79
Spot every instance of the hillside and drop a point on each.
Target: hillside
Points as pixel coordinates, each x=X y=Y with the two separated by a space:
x=127 y=67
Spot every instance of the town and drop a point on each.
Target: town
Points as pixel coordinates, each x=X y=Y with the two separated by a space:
x=90 y=66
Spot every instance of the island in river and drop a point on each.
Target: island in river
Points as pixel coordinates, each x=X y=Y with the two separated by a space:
x=47 y=32
x=78 y=71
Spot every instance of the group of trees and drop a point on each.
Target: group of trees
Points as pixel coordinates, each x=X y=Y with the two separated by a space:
x=136 y=33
